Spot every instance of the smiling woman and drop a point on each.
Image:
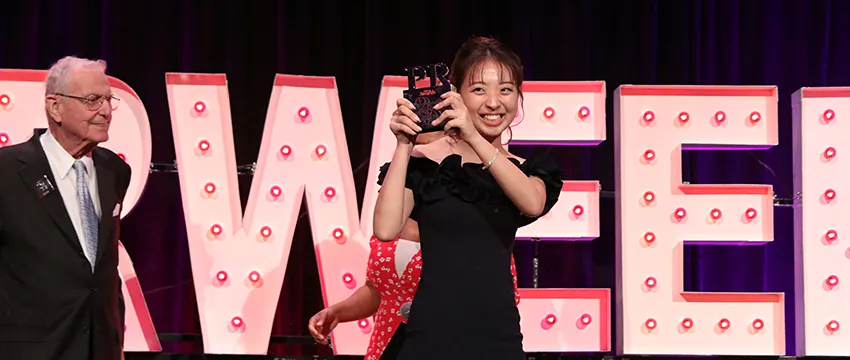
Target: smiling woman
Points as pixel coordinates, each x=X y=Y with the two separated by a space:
x=488 y=63
x=469 y=196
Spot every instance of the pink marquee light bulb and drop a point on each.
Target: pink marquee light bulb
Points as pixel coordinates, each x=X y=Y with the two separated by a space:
x=349 y=281
x=833 y=326
x=237 y=321
x=321 y=150
x=832 y=280
x=831 y=235
x=829 y=194
x=221 y=275
x=365 y=326
x=583 y=112
x=828 y=115
x=216 y=229
x=303 y=112
x=684 y=116
x=330 y=192
x=203 y=145
x=716 y=214
x=648 y=116
x=755 y=117
x=829 y=153
x=275 y=191
x=578 y=210
x=549 y=112
x=286 y=150
x=266 y=231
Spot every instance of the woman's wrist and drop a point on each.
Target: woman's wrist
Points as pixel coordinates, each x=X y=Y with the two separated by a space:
x=482 y=148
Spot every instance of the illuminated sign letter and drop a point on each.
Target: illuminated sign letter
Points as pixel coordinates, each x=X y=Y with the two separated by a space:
x=822 y=257
x=239 y=263
x=656 y=214
x=565 y=320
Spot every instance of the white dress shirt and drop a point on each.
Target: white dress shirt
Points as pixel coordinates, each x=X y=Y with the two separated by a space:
x=62 y=166
x=404 y=252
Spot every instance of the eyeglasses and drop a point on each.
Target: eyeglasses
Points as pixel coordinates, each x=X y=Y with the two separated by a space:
x=95 y=102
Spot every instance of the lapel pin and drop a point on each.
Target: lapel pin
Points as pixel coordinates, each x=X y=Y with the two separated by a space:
x=43 y=187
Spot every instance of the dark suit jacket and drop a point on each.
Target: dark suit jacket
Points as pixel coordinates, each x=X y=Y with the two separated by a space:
x=52 y=306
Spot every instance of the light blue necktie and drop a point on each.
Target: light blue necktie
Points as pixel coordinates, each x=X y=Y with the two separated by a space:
x=88 y=216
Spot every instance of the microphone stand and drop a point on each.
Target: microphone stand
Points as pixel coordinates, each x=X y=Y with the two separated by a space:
x=535 y=275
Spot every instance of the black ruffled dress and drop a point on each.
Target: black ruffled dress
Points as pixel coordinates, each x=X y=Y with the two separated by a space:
x=464 y=307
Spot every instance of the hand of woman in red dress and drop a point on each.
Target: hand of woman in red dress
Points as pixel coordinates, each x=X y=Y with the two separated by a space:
x=322 y=324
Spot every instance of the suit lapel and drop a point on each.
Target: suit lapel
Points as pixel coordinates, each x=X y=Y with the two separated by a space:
x=35 y=168
x=106 y=193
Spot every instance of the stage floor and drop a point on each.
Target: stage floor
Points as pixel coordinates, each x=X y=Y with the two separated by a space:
x=162 y=356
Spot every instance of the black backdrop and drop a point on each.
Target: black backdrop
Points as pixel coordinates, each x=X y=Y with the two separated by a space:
x=770 y=42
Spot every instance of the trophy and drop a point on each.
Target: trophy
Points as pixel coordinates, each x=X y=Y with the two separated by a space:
x=424 y=99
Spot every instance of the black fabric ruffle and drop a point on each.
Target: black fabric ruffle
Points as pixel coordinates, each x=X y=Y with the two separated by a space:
x=431 y=181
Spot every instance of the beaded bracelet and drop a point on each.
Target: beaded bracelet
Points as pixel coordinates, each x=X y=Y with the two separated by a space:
x=489 y=163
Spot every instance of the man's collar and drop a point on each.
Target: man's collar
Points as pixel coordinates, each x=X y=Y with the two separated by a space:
x=63 y=160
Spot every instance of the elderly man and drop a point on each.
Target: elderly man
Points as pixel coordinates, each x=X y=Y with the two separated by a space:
x=60 y=202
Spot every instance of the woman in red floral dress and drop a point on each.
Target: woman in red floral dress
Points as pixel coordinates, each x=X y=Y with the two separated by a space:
x=392 y=277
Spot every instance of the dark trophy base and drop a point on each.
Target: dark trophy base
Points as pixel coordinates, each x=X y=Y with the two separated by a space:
x=424 y=99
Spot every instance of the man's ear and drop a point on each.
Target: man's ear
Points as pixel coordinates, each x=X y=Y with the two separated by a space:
x=51 y=103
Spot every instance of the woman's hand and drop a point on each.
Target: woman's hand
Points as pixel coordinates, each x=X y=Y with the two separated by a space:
x=456 y=116
x=404 y=122
x=322 y=324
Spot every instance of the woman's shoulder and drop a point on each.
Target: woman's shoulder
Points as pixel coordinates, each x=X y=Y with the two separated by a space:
x=538 y=163
x=516 y=159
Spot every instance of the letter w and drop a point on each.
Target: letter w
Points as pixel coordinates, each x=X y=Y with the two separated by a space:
x=239 y=263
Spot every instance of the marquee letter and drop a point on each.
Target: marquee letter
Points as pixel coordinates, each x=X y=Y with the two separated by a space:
x=821 y=256
x=22 y=110
x=565 y=320
x=656 y=214
x=553 y=319
x=239 y=263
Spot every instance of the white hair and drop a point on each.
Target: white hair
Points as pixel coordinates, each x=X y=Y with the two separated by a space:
x=60 y=72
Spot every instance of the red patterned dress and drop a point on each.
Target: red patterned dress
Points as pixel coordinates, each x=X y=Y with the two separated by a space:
x=395 y=291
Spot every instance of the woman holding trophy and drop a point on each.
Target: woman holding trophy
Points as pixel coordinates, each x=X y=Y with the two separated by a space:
x=469 y=196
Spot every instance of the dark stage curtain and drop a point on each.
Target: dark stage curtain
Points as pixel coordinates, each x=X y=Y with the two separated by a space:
x=772 y=42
